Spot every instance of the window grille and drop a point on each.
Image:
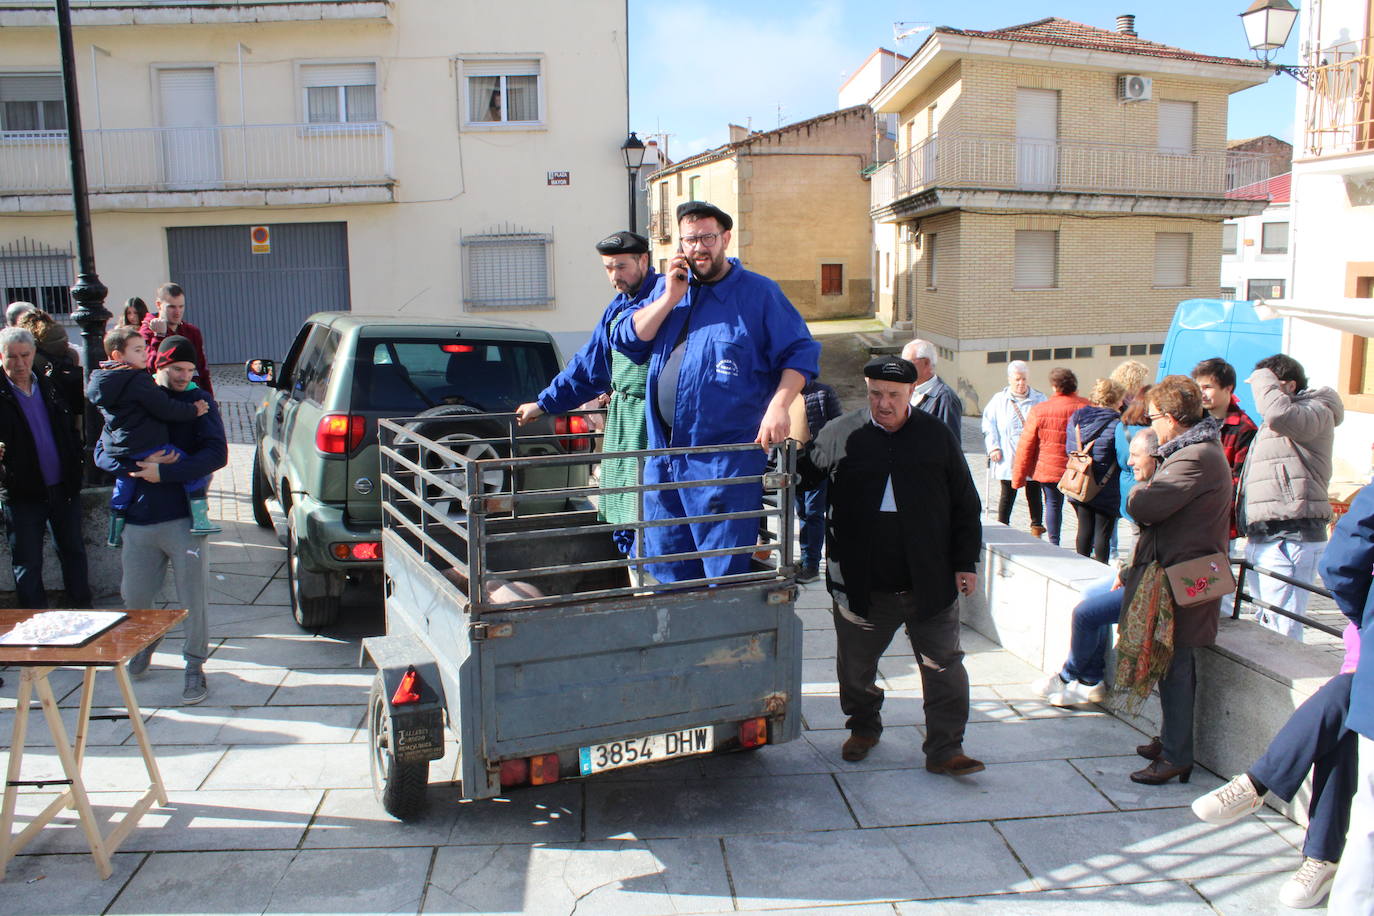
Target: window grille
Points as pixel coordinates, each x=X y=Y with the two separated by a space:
x=32 y=272
x=507 y=269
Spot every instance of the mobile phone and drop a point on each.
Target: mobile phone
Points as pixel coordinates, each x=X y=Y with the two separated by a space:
x=683 y=253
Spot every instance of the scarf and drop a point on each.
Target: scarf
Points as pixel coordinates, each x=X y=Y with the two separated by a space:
x=1145 y=640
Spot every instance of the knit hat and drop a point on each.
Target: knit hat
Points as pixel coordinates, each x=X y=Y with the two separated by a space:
x=176 y=349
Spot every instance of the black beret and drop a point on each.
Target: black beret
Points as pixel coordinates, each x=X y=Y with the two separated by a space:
x=700 y=208
x=176 y=349
x=890 y=369
x=623 y=243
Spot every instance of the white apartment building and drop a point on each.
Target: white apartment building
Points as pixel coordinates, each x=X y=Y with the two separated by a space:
x=1256 y=256
x=425 y=158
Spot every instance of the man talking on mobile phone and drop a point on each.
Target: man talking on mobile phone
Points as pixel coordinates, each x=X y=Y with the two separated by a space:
x=727 y=355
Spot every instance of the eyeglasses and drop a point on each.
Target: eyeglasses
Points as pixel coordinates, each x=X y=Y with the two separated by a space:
x=1155 y=416
x=705 y=240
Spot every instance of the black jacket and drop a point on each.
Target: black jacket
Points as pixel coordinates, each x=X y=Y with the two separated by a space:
x=135 y=409
x=1097 y=427
x=21 y=479
x=935 y=498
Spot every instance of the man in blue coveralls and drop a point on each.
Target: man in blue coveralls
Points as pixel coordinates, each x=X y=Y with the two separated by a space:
x=727 y=355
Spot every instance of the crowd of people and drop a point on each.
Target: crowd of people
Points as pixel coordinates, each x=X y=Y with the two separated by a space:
x=161 y=439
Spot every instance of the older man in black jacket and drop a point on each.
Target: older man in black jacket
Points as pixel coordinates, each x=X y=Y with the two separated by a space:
x=904 y=537
x=40 y=477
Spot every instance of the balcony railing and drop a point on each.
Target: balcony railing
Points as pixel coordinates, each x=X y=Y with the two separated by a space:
x=661 y=225
x=1004 y=163
x=201 y=158
x=1340 y=101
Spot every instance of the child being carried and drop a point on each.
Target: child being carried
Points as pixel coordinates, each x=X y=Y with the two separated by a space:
x=136 y=413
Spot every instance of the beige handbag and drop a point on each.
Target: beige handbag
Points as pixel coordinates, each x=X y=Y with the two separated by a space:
x=1202 y=579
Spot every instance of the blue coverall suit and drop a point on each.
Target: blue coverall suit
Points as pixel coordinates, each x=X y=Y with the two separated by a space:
x=588 y=373
x=742 y=334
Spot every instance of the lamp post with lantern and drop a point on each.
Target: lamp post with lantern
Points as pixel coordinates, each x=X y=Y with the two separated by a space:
x=632 y=150
x=1268 y=23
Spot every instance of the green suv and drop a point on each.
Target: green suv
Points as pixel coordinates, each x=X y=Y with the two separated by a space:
x=316 y=431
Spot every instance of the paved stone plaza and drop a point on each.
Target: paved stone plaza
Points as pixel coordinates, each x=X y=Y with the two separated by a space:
x=271 y=810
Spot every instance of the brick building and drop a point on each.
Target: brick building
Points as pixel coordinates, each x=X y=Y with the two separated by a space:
x=1058 y=189
x=800 y=203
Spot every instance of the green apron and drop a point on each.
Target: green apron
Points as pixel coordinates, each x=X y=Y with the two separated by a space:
x=626 y=431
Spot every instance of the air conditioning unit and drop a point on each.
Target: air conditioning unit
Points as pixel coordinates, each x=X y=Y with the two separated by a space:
x=1131 y=87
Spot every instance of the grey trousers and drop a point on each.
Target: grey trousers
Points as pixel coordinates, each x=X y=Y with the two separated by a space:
x=148 y=549
x=1177 y=690
x=860 y=641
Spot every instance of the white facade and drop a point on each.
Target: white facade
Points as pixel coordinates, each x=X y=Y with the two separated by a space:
x=865 y=82
x=1333 y=216
x=420 y=124
x=1257 y=255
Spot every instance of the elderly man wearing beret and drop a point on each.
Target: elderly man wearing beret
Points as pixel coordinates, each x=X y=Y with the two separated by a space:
x=727 y=356
x=904 y=539
x=598 y=368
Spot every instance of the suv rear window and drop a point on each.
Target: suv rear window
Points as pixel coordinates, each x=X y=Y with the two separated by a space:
x=405 y=377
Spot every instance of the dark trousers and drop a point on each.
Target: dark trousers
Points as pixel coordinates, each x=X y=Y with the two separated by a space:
x=1095 y=529
x=1315 y=738
x=1177 y=692
x=1054 y=511
x=811 y=515
x=859 y=642
x=25 y=524
x=1008 y=501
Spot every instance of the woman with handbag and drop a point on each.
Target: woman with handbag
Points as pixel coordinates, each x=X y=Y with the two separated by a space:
x=1092 y=438
x=1040 y=456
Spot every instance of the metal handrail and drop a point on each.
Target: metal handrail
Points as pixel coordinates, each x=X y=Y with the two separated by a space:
x=1242 y=595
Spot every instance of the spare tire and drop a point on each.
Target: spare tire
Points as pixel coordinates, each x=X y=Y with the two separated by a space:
x=452 y=425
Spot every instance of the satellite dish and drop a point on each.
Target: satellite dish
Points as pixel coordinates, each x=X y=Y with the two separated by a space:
x=904 y=30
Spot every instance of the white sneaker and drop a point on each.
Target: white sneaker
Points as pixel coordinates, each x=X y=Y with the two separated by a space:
x=1229 y=803
x=1048 y=686
x=1309 y=884
x=1077 y=693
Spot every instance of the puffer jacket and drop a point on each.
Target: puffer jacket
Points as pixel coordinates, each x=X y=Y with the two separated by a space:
x=1288 y=469
x=1096 y=426
x=1040 y=454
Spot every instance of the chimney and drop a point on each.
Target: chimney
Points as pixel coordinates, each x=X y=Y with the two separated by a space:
x=1125 y=24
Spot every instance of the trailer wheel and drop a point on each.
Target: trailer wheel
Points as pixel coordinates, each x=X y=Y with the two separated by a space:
x=399 y=787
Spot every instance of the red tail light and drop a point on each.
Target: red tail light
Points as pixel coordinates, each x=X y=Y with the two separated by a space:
x=408 y=691
x=753 y=733
x=543 y=769
x=339 y=433
x=356 y=550
x=515 y=772
x=457 y=348
x=576 y=424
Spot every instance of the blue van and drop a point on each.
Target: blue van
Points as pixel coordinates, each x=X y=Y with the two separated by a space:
x=1203 y=328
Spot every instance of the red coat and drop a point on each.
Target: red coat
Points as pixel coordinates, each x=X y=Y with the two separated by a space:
x=1040 y=456
x=191 y=333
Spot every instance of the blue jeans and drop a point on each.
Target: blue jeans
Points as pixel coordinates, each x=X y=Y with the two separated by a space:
x=811 y=515
x=1315 y=738
x=25 y=523
x=1092 y=632
x=124 y=485
x=1054 y=511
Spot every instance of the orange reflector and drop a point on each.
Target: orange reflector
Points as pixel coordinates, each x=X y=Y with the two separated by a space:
x=543 y=769
x=515 y=772
x=408 y=691
x=753 y=733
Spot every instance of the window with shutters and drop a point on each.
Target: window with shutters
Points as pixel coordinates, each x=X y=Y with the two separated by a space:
x=31 y=103
x=339 y=93
x=1176 y=121
x=1173 y=250
x=932 y=263
x=502 y=92
x=694 y=188
x=1037 y=259
x=1230 y=232
x=832 y=279
x=1355 y=380
x=504 y=270
x=1274 y=238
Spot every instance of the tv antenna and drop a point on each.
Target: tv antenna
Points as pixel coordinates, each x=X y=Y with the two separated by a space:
x=904 y=30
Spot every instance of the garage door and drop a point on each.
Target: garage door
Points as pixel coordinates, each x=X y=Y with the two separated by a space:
x=249 y=305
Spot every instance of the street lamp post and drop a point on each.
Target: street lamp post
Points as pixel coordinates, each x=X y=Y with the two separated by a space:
x=1268 y=23
x=88 y=292
x=633 y=152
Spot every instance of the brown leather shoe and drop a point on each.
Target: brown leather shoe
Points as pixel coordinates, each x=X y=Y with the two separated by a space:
x=958 y=765
x=1038 y=530
x=856 y=747
x=1161 y=771
x=1152 y=750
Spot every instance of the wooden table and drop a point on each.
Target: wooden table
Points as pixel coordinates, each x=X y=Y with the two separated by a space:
x=111 y=649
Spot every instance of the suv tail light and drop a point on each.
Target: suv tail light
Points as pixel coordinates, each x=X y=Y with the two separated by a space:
x=339 y=433
x=357 y=550
x=575 y=424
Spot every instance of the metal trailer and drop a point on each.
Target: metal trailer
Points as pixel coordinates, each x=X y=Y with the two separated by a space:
x=606 y=667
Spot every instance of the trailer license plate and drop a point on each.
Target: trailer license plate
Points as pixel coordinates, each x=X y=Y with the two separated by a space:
x=634 y=751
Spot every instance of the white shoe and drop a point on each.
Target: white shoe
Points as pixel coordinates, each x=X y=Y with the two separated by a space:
x=1309 y=884
x=1077 y=693
x=1229 y=803
x=1048 y=686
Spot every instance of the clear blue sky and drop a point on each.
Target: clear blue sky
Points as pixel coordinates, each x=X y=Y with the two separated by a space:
x=699 y=65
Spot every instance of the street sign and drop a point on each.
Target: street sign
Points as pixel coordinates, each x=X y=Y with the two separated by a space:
x=559 y=179
x=261 y=239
